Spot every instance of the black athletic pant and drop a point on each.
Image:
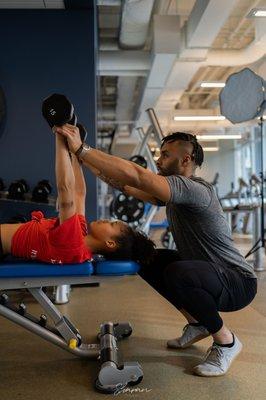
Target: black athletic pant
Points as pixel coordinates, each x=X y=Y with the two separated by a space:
x=197 y=287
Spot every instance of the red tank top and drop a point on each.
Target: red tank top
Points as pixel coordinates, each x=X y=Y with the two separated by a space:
x=46 y=240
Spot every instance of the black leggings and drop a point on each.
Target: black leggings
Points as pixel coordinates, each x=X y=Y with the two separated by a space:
x=197 y=287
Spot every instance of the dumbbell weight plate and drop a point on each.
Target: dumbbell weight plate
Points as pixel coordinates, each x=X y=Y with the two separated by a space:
x=82 y=132
x=73 y=120
x=17 y=189
x=127 y=208
x=41 y=192
x=140 y=160
x=46 y=184
x=57 y=110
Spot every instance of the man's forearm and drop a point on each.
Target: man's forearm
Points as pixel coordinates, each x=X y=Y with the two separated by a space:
x=126 y=172
x=140 y=195
x=94 y=170
x=129 y=190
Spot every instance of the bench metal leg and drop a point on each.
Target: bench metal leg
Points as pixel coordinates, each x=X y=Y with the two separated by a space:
x=62 y=294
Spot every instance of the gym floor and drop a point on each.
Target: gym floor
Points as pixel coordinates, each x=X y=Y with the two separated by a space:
x=34 y=369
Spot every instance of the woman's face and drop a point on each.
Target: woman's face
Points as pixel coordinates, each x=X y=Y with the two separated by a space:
x=105 y=230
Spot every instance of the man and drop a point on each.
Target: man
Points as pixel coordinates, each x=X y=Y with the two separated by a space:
x=209 y=274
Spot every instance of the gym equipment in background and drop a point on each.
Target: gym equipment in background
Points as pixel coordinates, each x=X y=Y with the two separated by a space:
x=18 y=189
x=140 y=160
x=244 y=98
x=215 y=183
x=127 y=208
x=41 y=192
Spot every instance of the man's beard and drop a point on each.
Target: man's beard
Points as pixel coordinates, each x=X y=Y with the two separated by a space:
x=168 y=172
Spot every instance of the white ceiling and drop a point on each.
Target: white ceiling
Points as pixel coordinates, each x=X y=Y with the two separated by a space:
x=177 y=60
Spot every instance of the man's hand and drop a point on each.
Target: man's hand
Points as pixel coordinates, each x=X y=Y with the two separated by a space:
x=71 y=133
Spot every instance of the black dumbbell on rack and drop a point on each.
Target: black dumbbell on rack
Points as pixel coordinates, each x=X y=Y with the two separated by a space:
x=17 y=190
x=41 y=192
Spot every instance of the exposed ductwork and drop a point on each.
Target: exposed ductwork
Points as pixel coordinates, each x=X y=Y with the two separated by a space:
x=128 y=65
x=249 y=55
x=135 y=20
x=124 y=63
x=194 y=52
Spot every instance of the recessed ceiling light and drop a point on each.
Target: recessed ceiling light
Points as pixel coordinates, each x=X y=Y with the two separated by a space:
x=257 y=12
x=212 y=84
x=210 y=148
x=218 y=137
x=199 y=118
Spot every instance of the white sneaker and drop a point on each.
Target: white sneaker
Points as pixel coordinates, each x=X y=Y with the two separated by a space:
x=191 y=334
x=218 y=359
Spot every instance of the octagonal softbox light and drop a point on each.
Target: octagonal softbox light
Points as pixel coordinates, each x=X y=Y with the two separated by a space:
x=243 y=97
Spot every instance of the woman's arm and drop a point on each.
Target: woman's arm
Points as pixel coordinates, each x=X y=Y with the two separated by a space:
x=65 y=179
x=80 y=186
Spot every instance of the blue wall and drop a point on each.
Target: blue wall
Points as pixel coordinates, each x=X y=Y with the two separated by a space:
x=42 y=52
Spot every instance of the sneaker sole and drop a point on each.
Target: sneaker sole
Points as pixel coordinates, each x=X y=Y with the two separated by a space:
x=209 y=376
x=196 y=339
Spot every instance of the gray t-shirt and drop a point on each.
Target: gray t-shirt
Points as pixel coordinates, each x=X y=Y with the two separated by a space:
x=198 y=224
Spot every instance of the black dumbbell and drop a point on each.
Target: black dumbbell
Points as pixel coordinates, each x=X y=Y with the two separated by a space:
x=58 y=110
x=82 y=132
x=17 y=190
x=41 y=192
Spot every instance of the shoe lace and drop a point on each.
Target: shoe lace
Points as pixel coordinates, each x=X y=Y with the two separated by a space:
x=214 y=355
x=187 y=331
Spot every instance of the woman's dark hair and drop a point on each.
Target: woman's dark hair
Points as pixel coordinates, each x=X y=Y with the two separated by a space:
x=133 y=245
x=197 y=152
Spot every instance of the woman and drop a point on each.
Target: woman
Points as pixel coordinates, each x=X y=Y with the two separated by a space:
x=68 y=238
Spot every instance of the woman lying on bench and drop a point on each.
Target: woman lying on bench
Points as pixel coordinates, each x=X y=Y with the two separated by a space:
x=68 y=238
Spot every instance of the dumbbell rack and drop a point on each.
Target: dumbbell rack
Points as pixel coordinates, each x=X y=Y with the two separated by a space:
x=51 y=200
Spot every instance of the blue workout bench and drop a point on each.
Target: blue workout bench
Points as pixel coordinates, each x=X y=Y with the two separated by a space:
x=34 y=276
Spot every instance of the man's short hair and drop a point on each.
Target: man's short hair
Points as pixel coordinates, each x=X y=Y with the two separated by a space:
x=197 y=153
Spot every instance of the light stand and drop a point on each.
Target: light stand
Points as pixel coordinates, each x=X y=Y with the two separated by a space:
x=242 y=99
